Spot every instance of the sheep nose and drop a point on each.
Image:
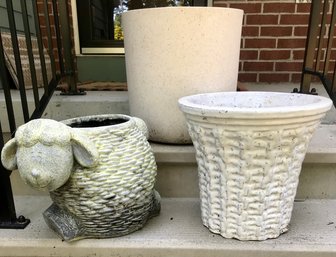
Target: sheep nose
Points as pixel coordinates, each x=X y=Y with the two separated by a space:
x=36 y=173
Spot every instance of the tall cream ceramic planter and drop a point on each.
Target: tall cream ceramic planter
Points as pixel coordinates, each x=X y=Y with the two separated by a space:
x=249 y=148
x=176 y=51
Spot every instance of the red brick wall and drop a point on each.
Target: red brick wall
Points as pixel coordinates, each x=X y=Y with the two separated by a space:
x=42 y=20
x=273 y=39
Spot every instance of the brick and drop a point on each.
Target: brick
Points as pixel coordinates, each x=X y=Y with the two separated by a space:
x=293 y=19
x=298 y=54
x=55 y=52
x=247 y=7
x=220 y=4
x=296 y=77
x=260 y=43
x=252 y=19
x=300 y=31
x=333 y=55
x=279 y=8
x=273 y=77
x=303 y=8
x=331 y=65
x=292 y=43
x=54 y=42
x=248 y=54
x=321 y=66
x=250 y=31
x=43 y=31
x=258 y=66
x=328 y=19
x=274 y=54
x=322 y=54
x=42 y=21
x=40 y=7
x=288 y=66
x=247 y=77
x=276 y=31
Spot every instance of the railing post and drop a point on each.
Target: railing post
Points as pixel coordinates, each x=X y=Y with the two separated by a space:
x=308 y=61
x=8 y=217
x=18 y=65
x=69 y=65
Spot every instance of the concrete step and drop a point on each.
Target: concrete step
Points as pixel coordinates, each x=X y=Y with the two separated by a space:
x=177 y=231
x=177 y=169
x=178 y=176
x=63 y=107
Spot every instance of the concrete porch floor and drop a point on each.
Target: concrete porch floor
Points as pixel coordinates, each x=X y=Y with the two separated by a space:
x=118 y=98
x=177 y=231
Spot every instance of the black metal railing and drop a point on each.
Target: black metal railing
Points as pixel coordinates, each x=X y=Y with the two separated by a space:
x=318 y=60
x=46 y=49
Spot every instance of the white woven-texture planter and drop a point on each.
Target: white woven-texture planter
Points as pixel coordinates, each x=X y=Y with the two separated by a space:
x=100 y=171
x=117 y=197
x=172 y=52
x=250 y=147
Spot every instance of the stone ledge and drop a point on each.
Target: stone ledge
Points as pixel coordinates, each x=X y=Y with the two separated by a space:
x=63 y=107
x=178 y=231
x=178 y=177
x=322 y=149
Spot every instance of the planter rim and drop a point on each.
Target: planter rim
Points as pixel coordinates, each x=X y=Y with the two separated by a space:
x=287 y=105
x=128 y=120
x=184 y=8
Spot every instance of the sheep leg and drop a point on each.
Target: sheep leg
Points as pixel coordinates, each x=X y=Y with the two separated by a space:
x=62 y=223
x=156 y=207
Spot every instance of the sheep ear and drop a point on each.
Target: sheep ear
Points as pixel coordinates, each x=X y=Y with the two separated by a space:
x=85 y=152
x=8 y=155
x=142 y=126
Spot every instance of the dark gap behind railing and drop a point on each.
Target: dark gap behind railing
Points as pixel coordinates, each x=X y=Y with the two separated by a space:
x=319 y=45
x=59 y=9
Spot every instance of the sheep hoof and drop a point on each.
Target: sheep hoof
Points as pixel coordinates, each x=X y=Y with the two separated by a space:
x=62 y=223
x=156 y=208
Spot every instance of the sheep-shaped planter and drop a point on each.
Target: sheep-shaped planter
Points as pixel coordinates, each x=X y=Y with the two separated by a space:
x=100 y=172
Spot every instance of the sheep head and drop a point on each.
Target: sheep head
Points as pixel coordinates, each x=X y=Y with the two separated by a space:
x=43 y=151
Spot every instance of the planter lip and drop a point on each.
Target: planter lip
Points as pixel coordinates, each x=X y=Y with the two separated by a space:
x=307 y=105
x=128 y=120
x=184 y=8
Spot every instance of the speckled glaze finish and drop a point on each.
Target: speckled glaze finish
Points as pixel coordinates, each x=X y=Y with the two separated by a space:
x=107 y=192
x=249 y=148
x=176 y=51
